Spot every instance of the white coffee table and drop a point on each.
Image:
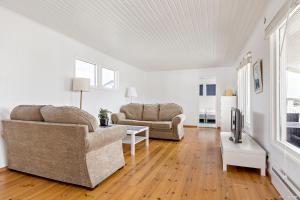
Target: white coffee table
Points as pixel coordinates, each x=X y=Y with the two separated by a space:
x=133 y=138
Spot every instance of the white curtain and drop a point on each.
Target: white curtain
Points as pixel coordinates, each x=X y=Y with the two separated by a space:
x=244 y=95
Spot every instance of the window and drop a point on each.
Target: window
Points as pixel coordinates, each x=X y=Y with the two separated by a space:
x=287 y=81
x=109 y=78
x=207 y=90
x=210 y=89
x=244 y=92
x=201 y=90
x=86 y=70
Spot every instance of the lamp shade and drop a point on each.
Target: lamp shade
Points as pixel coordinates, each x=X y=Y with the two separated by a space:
x=81 y=84
x=131 y=92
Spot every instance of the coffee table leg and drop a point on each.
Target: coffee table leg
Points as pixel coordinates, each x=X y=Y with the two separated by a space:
x=147 y=137
x=132 y=144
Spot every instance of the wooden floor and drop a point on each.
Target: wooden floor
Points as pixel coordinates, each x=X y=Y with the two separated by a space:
x=190 y=169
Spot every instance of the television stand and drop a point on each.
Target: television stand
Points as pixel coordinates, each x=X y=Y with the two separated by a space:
x=245 y=154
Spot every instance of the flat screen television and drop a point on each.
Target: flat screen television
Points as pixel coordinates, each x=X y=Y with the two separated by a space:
x=237 y=125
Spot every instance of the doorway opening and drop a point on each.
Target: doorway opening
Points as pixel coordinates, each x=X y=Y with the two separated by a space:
x=207 y=102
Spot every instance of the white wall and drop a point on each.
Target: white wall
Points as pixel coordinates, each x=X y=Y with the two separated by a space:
x=37 y=64
x=182 y=87
x=259 y=47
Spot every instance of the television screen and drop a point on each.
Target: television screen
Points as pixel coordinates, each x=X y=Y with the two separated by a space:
x=236 y=125
x=233 y=115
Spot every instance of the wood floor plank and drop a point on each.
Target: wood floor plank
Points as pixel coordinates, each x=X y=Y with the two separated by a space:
x=167 y=170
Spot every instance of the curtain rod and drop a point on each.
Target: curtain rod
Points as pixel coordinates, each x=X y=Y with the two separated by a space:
x=246 y=60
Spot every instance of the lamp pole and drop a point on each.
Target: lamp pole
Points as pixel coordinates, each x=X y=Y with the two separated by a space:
x=80 y=99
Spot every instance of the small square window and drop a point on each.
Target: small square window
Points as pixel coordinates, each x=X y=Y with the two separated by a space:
x=211 y=90
x=201 y=90
x=109 y=78
x=86 y=70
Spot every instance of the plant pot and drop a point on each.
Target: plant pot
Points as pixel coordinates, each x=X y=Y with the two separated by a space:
x=103 y=122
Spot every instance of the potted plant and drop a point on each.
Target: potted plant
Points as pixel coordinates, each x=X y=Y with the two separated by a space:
x=103 y=117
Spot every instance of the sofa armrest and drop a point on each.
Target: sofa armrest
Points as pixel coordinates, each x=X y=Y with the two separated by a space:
x=105 y=136
x=179 y=119
x=115 y=117
x=177 y=124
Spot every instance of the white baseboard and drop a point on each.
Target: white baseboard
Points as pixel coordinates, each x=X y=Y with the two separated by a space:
x=207 y=125
x=282 y=187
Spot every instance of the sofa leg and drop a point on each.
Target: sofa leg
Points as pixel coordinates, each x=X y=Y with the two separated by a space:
x=91 y=189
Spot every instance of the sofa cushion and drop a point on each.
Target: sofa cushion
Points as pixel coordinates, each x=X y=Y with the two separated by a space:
x=27 y=113
x=150 y=112
x=134 y=122
x=168 y=111
x=69 y=115
x=162 y=125
x=133 y=111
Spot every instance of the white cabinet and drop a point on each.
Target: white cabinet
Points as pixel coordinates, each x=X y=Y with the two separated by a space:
x=227 y=102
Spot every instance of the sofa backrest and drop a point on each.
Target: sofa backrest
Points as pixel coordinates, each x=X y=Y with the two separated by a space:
x=151 y=112
x=27 y=113
x=69 y=115
x=133 y=111
x=169 y=110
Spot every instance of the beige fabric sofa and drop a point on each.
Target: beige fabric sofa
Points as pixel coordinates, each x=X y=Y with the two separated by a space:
x=164 y=120
x=62 y=143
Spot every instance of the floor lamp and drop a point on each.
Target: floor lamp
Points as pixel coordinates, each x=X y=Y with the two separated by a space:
x=81 y=85
x=131 y=93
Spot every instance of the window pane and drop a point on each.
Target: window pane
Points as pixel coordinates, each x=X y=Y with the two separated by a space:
x=290 y=81
x=108 y=78
x=293 y=108
x=86 y=70
x=200 y=90
x=211 y=90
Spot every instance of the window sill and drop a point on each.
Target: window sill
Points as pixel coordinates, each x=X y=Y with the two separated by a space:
x=288 y=149
x=104 y=88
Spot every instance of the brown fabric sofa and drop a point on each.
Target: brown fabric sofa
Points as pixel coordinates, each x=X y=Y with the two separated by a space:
x=63 y=143
x=164 y=120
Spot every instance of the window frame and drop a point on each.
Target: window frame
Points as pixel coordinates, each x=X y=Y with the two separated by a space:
x=277 y=107
x=96 y=69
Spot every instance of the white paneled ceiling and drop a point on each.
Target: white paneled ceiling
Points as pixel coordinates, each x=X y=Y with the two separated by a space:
x=152 y=34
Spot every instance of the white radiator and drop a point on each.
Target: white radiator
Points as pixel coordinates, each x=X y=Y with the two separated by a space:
x=285 y=186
